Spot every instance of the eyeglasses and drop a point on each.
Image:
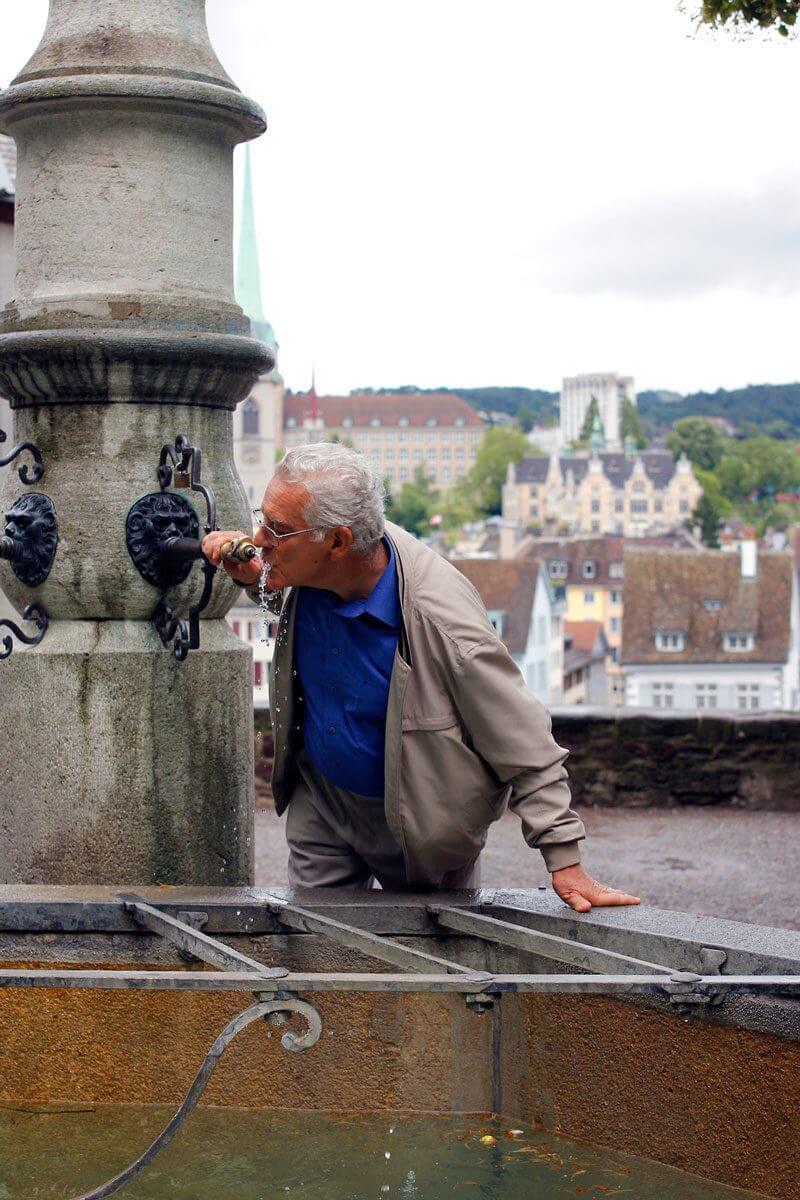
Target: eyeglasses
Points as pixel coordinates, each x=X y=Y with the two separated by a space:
x=273 y=538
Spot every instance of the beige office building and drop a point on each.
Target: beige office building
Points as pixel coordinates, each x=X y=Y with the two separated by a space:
x=400 y=431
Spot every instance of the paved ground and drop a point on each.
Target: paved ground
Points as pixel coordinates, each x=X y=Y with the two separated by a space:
x=720 y=862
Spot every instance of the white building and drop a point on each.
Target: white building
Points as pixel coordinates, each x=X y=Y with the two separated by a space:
x=610 y=390
x=522 y=606
x=711 y=630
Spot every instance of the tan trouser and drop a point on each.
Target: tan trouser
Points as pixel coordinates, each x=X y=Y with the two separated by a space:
x=340 y=839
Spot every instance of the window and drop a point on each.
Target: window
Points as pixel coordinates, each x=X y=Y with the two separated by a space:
x=558 y=568
x=595 y=526
x=290 y=422
x=619 y=504
x=616 y=597
x=738 y=642
x=705 y=695
x=616 y=569
x=250 y=418
x=534 y=509
x=404 y=473
x=663 y=695
x=712 y=605
x=638 y=506
x=431 y=452
x=402 y=421
x=684 y=506
x=459 y=421
x=748 y=695
x=258 y=674
x=638 y=486
x=659 y=505
x=236 y=627
x=497 y=617
x=595 y=506
x=589 y=569
x=431 y=421
x=669 y=641
x=347 y=422
x=588 y=597
x=374 y=421
x=613 y=625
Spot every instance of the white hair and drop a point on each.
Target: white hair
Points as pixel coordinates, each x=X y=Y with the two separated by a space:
x=343 y=487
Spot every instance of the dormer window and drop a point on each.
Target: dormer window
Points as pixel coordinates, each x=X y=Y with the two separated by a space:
x=402 y=421
x=290 y=422
x=431 y=421
x=558 y=568
x=589 y=569
x=347 y=422
x=738 y=642
x=712 y=605
x=616 y=569
x=671 y=642
x=374 y=421
x=459 y=421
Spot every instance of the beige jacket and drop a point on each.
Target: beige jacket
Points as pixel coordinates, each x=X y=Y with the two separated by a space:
x=464 y=737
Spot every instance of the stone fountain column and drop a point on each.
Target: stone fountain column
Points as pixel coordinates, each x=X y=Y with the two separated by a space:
x=119 y=763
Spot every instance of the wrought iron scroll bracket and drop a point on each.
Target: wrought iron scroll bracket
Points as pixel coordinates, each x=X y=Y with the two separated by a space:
x=180 y=466
x=33 y=612
x=28 y=475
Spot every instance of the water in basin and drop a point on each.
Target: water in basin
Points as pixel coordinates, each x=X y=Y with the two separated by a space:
x=235 y=1154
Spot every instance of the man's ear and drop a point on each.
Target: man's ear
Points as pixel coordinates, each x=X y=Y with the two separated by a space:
x=342 y=540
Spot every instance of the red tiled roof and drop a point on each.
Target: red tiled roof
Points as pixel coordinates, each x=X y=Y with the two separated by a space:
x=507 y=586
x=702 y=595
x=362 y=408
x=584 y=634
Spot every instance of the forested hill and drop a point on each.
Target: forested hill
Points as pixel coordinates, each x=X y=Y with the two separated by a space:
x=772 y=408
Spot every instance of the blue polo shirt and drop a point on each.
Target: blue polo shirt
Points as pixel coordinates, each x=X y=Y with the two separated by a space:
x=344 y=653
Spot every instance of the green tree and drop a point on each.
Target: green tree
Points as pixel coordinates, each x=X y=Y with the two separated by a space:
x=758 y=468
x=588 y=421
x=484 y=481
x=413 y=507
x=699 y=440
x=629 y=424
x=764 y=14
x=525 y=417
x=707 y=516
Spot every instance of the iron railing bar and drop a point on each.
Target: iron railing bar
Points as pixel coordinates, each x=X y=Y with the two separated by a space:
x=193 y=941
x=383 y=948
x=367 y=982
x=547 y=945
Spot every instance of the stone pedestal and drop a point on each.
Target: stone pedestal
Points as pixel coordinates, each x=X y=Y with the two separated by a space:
x=121 y=763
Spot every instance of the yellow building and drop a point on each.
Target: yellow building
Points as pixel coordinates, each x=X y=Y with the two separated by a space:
x=606 y=492
x=588 y=573
x=400 y=431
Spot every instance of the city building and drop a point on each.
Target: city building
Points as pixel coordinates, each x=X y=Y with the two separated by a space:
x=585 y=653
x=609 y=389
x=633 y=494
x=257 y=432
x=400 y=431
x=523 y=607
x=589 y=574
x=258 y=421
x=711 y=630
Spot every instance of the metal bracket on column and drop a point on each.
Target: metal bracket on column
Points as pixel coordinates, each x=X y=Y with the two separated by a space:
x=180 y=467
x=26 y=474
x=33 y=612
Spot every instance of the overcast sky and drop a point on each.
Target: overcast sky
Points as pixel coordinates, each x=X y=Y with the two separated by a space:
x=456 y=193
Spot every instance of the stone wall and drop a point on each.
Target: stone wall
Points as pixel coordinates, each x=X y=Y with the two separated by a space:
x=650 y=759
x=655 y=759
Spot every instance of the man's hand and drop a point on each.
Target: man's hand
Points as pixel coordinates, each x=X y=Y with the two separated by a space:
x=247 y=573
x=581 y=892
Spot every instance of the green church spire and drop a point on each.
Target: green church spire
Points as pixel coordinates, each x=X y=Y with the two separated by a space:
x=248 y=275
